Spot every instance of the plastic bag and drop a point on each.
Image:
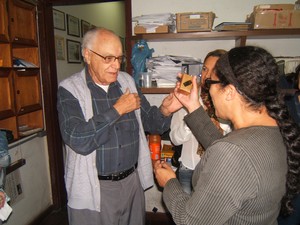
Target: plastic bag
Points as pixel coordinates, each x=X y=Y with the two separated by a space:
x=139 y=56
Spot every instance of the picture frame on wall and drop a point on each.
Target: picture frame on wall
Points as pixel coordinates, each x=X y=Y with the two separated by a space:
x=59 y=20
x=60 y=48
x=73 y=26
x=85 y=26
x=73 y=51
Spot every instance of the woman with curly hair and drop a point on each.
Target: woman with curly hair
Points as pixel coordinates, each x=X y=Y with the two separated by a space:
x=251 y=174
x=180 y=134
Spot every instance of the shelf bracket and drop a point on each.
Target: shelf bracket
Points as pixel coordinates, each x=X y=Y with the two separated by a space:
x=240 y=41
x=15 y=165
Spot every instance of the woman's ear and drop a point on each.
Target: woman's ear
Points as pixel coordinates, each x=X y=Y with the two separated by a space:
x=230 y=92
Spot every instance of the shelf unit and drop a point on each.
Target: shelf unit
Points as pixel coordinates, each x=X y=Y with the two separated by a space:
x=240 y=38
x=21 y=107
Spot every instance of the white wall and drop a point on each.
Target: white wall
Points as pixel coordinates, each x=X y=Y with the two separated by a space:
x=226 y=11
x=35 y=180
x=110 y=15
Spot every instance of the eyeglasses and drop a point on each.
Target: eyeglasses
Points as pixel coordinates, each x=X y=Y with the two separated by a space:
x=109 y=59
x=208 y=82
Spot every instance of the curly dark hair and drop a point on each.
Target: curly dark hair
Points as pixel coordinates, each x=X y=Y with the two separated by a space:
x=254 y=73
x=210 y=107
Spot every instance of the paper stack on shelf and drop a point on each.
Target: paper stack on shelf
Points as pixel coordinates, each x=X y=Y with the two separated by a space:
x=166 y=68
x=17 y=62
x=227 y=26
x=154 y=23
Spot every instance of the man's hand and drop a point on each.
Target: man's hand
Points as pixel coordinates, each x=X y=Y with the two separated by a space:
x=170 y=105
x=128 y=102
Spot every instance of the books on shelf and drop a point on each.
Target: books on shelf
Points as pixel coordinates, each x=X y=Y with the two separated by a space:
x=25 y=130
x=17 y=62
x=229 y=26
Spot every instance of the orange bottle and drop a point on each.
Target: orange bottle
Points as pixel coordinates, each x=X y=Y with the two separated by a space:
x=155 y=146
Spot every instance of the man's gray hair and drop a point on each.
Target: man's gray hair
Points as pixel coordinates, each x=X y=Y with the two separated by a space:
x=89 y=37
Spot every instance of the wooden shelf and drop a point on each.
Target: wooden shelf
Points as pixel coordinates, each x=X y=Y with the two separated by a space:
x=266 y=33
x=156 y=90
x=240 y=38
x=15 y=165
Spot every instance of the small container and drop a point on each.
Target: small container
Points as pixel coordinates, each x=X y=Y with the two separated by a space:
x=297 y=5
x=155 y=146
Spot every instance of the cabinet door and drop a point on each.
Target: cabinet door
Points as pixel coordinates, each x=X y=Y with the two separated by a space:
x=5 y=54
x=28 y=53
x=6 y=93
x=27 y=91
x=30 y=123
x=3 y=21
x=22 y=20
x=10 y=124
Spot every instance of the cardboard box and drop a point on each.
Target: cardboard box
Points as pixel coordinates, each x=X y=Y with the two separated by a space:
x=167 y=151
x=275 y=16
x=194 y=21
x=143 y=30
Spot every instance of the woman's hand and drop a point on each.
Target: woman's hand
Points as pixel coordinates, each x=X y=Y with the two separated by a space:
x=163 y=173
x=189 y=101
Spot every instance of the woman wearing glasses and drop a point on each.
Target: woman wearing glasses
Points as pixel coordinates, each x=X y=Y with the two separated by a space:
x=249 y=175
x=180 y=134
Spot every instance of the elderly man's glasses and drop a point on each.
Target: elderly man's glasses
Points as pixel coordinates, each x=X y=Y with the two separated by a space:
x=111 y=58
x=209 y=82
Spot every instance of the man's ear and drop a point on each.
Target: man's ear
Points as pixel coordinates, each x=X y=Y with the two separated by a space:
x=86 y=54
x=230 y=92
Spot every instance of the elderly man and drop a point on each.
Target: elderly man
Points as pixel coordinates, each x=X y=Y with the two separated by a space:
x=103 y=119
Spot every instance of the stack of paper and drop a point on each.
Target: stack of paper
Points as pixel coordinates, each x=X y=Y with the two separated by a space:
x=5 y=211
x=166 y=68
x=17 y=62
x=154 y=20
x=226 y=26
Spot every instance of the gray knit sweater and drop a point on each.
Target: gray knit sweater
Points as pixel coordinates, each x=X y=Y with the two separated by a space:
x=240 y=179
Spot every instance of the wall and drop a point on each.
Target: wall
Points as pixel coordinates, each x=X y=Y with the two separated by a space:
x=35 y=180
x=110 y=15
x=226 y=11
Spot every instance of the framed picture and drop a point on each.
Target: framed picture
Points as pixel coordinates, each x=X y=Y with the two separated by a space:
x=73 y=51
x=85 y=26
x=59 y=20
x=60 y=48
x=93 y=26
x=73 y=26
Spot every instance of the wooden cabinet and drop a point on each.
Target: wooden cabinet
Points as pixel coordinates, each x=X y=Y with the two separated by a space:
x=22 y=21
x=3 y=21
x=240 y=38
x=21 y=107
